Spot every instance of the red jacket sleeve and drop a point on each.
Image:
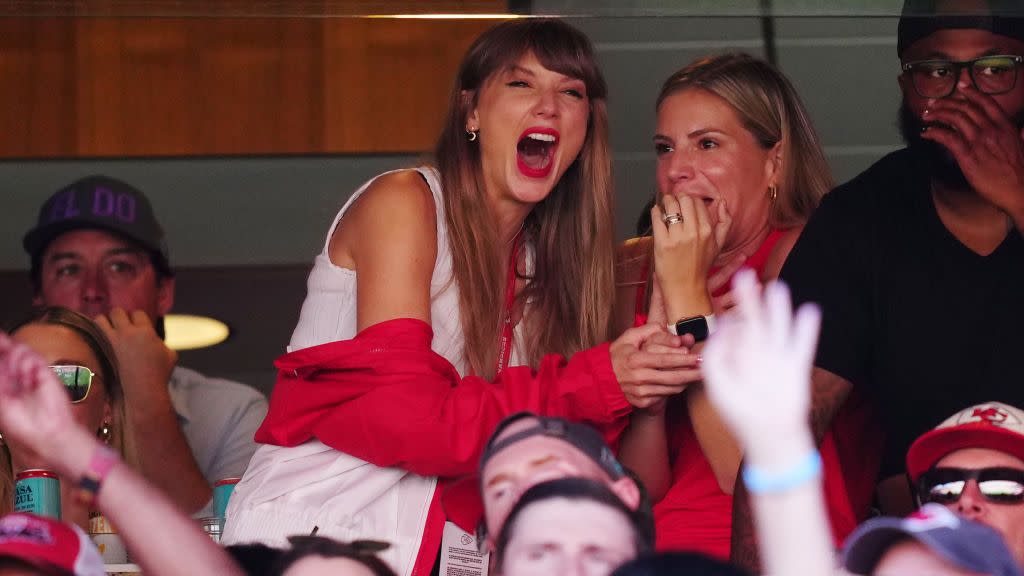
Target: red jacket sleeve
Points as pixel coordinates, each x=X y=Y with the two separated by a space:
x=387 y=398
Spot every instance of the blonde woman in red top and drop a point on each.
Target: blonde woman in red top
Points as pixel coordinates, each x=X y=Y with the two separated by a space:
x=739 y=172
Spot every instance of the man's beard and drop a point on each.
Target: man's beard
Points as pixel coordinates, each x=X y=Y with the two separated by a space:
x=939 y=161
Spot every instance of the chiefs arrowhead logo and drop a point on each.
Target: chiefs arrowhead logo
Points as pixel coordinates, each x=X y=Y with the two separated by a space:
x=991 y=414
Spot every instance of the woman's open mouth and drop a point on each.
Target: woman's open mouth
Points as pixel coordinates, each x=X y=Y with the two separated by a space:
x=535 y=151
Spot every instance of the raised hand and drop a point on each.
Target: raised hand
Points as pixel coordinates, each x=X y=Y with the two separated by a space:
x=685 y=246
x=986 y=143
x=726 y=301
x=144 y=361
x=34 y=409
x=757 y=367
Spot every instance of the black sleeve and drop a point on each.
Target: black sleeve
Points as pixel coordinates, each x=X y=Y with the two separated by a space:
x=830 y=265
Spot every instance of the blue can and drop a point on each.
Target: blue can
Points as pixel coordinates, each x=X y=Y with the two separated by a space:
x=37 y=492
x=222 y=491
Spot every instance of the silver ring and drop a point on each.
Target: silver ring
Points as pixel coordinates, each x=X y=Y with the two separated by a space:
x=673 y=218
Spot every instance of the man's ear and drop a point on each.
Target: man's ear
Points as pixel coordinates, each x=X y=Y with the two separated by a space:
x=165 y=295
x=901 y=79
x=627 y=491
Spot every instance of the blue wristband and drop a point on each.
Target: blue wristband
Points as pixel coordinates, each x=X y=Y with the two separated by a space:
x=759 y=481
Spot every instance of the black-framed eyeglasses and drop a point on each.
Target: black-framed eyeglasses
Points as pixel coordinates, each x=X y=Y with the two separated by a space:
x=77 y=380
x=997 y=484
x=989 y=74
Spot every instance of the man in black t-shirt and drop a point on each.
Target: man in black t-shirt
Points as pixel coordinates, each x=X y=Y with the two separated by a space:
x=918 y=263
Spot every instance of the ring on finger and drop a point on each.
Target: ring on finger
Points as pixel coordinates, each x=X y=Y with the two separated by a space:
x=672 y=218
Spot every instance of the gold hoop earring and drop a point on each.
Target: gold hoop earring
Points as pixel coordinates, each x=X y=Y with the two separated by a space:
x=773 y=193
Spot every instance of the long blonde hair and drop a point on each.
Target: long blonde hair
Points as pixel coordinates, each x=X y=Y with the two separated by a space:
x=94 y=338
x=570 y=292
x=770 y=108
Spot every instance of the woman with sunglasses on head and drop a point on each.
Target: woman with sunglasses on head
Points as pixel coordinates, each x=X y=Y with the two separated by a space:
x=447 y=297
x=83 y=361
x=739 y=172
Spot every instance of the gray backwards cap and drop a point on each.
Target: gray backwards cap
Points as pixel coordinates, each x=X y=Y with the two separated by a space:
x=957 y=540
x=580 y=436
x=921 y=18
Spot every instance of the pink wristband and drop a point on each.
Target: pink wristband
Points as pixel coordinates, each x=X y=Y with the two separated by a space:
x=89 y=484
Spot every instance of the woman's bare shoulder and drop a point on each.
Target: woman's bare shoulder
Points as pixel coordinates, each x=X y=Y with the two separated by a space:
x=397 y=208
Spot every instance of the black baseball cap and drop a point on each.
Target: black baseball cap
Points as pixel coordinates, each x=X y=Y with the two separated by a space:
x=462 y=498
x=921 y=18
x=102 y=202
x=580 y=436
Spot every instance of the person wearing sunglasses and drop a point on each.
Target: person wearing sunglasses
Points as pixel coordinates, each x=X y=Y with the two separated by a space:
x=916 y=262
x=81 y=358
x=973 y=463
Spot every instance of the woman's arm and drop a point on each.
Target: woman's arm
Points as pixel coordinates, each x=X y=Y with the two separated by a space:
x=389 y=237
x=644 y=444
x=644 y=450
x=34 y=411
x=717 y=442
x=683 y=255
x=386 y=397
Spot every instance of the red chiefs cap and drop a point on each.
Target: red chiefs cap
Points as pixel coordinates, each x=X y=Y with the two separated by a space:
x=992 y=425
x=49 y=543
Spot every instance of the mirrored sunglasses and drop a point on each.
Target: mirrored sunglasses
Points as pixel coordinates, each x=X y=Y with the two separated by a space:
x=946 y=485
x=77 y=381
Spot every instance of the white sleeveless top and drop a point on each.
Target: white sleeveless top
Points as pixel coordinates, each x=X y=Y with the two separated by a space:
x=329 y=311
x=288 y=491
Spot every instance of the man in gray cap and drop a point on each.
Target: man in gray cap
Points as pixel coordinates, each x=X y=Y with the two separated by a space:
x=918 y=262
x=98 y=249
x=933 y=541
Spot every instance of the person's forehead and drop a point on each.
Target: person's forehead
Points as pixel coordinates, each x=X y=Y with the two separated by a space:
x=979 y=458
x=962 y=44
x=568 y=519
x=530 y=449
x=90 y=241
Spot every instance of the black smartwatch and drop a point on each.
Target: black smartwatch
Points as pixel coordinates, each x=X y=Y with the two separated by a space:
x=700 y=326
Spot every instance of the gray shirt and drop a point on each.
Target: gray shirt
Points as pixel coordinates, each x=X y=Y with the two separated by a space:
x=219 y=419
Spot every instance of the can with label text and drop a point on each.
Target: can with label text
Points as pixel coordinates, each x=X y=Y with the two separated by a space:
x=37 y=492
x=222 y=491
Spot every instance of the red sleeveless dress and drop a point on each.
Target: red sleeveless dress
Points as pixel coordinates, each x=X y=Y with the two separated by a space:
x=695 y=515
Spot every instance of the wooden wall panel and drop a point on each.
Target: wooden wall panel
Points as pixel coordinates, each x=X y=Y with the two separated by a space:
x=106 y=87
x=37 y=101
x=378 y=77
